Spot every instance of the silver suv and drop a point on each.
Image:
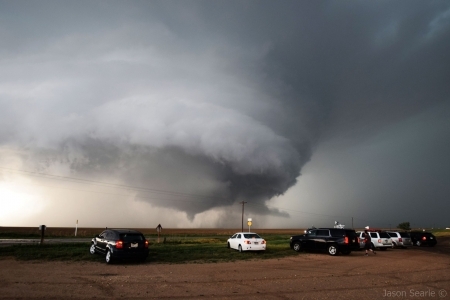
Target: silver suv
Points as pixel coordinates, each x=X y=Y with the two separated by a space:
x=400 y=239
x=380 y=240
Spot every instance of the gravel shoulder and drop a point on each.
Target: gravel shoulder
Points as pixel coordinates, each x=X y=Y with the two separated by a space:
x=416 y=273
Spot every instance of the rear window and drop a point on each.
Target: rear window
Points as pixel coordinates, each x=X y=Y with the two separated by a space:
x=251 y=236
x=384 y=235
x=131 y=237
x=404 y=234
x=393 y=234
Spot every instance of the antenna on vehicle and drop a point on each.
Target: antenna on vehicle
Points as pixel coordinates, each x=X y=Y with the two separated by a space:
x=338 y=225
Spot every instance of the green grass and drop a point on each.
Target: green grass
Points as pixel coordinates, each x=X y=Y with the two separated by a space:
x=173 y=251
x=61 y=252
x=441 y=232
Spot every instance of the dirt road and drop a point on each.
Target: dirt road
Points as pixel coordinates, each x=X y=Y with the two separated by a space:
x=400 y=274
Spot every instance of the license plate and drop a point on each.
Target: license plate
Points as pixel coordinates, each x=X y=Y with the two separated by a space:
x=256 y=243
x=134 y=245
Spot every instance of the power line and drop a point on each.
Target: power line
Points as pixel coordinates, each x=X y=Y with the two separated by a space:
x=113 y=185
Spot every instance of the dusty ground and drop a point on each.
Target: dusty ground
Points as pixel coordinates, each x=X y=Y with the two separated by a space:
x=400 y=274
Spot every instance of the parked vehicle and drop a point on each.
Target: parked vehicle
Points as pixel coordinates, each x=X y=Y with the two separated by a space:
x=423 y=239
x=400 y=239
x=380 y=240
x=332 y=240
x=118 y=244
x=246 y=241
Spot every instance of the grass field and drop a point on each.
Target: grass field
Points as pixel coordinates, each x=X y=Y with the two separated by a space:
x=180 y=246
x=175 y=246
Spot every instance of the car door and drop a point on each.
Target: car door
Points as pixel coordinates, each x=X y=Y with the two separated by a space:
x=309 y=240
x=232 y=241
x=102 y=241
x=236 y=241
x=361 y=239
x=320 y=241
x=374 y=238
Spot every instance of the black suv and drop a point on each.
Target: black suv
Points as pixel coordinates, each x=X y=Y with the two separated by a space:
x=120 y=244
x=422 y=238
x=332 y=240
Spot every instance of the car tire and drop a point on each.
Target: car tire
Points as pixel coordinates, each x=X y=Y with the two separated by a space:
x=92 y=249
x=108 y=257
x=418 y=244
x=332 y=250
x=240 y=248
x=297 y=247
x=228 y=245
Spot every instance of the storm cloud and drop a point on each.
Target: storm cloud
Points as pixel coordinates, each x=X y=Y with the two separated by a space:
x=197 y=105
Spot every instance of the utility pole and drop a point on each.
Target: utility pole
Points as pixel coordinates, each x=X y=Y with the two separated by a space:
x=243 y=202
x=352 y=223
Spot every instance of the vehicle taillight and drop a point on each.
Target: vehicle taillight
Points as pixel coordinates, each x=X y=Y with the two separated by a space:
x=400 y=240
x=247 y=242
x=146 y=244
x=359 y=241
x=424 y=238
x=346 y=240
x=379 y=241
x=119 y=244
x=263 y=242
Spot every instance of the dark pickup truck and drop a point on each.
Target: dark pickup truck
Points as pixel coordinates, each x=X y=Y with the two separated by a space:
x=332 y=240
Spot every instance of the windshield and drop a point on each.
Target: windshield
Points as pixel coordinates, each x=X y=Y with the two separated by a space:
x=251 y=236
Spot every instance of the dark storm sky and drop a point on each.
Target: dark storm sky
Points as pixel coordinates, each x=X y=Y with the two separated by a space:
x=311 y=111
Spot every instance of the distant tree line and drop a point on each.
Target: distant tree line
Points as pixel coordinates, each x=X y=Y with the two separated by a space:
x=404 y=226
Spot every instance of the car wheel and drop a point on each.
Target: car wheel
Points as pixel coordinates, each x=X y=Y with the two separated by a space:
x=332 y=250
x=240 y=248
x=108 y=257
x=92 y=249
x=297 y=247
x=228 y=245
x=418 y=243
